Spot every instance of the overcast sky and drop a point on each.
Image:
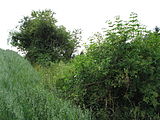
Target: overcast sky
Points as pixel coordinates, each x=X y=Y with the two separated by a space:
x=89 y=15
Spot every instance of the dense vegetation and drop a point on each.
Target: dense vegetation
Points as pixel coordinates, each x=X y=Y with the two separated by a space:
x=116 y=78
x=22 y=95
x=42 y=40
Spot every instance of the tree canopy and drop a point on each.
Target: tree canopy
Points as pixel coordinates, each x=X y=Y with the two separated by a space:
x=42 y=40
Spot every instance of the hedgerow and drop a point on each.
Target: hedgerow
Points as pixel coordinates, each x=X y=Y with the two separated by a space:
x=118 y=77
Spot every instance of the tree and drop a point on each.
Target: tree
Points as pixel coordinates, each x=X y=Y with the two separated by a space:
x=42 y=40
x=156 y=29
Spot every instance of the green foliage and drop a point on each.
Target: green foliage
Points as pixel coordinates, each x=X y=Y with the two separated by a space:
x=42 y=40
x=118 y=77
x=60 y=78
x=55 y=74
x=22 y=94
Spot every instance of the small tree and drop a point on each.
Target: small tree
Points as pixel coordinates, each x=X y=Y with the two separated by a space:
x=42 y=40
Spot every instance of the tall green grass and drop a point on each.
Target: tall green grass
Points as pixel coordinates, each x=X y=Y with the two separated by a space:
x=56 y=75
x=22 y=96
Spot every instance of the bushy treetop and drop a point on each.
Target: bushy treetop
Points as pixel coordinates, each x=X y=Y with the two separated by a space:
x=42 y=40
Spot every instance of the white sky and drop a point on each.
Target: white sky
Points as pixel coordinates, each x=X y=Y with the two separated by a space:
x=89 y=15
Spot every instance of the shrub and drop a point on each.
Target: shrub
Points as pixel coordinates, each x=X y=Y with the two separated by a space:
x=22 y=94
x=118 y=78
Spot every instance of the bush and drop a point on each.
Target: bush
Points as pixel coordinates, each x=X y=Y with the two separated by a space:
x=22 y=94
x=118 y=78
